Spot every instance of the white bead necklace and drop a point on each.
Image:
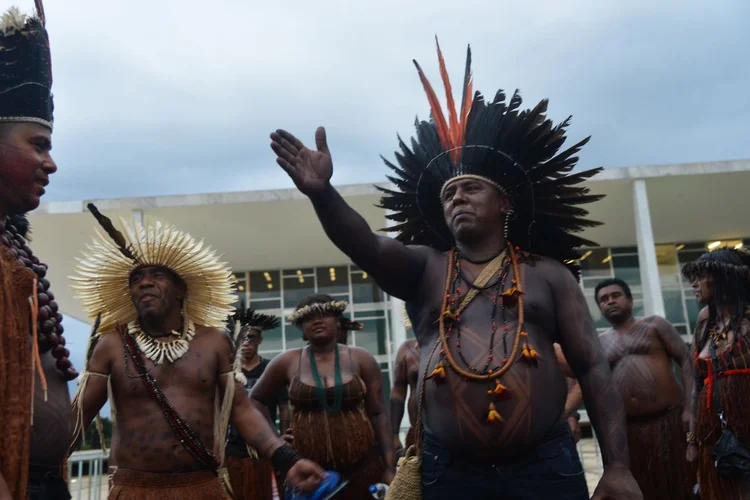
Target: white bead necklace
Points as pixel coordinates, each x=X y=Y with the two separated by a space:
x=157 y=351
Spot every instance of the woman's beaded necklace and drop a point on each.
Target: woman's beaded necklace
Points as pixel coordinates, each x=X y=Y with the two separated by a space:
x=338 y=387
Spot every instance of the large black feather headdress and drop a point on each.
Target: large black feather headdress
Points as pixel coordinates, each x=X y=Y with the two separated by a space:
x=25 y=68
x=517 y=151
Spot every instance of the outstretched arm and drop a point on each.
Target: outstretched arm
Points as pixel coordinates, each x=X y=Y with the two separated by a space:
x=398 y=394
x=376 y=410
x=585 y=356
x=678 y=351
x=396 y=267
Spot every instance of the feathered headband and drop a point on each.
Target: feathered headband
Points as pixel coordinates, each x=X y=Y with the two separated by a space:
x=336 y=307
x=717 y=263
x=25 y=68
x=516 y=151
x=103 y=274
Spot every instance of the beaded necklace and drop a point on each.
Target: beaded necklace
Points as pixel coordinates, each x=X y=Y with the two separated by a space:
x=49 y=319
x=338 y=383
x=450 y=323
x=169 y=351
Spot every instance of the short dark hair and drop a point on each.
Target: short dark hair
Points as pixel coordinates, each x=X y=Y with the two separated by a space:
x=611 y=282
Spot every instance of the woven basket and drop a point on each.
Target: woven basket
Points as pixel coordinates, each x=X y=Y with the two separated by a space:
x=407 y=484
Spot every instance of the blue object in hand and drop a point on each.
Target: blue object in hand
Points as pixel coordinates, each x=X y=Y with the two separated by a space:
x=327 y=486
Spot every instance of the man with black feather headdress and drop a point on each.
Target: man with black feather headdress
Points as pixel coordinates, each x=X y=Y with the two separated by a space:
x=251 y=475
x=487 y=212
x=35 y=415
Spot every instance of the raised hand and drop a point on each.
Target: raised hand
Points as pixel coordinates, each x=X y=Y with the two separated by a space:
x=310 y=170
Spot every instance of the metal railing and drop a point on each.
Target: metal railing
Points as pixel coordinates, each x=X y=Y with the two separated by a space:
x=87 y=476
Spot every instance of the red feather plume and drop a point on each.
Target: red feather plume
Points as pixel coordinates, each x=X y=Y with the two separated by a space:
x=452 y=133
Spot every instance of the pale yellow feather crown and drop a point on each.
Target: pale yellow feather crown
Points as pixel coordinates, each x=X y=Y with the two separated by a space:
x=102 y=279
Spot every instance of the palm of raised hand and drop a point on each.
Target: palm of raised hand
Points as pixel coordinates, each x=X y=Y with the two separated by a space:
x=310 y=170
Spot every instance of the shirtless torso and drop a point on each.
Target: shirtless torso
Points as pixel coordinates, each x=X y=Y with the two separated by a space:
x=641 y=360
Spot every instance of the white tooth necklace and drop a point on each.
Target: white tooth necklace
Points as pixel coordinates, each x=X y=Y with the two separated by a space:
x=157 y=351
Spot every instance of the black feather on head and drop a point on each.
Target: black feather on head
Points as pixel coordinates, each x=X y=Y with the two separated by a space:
x=112 y=232
x=248 y=318
x=512 y=149
x=25 y=68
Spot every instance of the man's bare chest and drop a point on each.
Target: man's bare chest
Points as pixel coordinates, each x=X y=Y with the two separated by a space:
x=194 y=372
x=619 y=347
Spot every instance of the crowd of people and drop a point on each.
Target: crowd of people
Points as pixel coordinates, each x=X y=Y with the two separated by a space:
x=488 y=214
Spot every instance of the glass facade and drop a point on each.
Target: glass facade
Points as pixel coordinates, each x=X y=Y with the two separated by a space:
x=680 y=306
x=277 y=291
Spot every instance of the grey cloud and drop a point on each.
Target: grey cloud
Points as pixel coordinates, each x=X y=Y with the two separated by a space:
x=179 y=97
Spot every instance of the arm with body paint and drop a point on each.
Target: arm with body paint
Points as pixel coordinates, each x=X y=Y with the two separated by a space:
x=585 y=356
x=679 y=352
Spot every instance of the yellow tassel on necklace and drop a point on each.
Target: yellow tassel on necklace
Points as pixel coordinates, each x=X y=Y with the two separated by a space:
x=501 y=391
x=438 y=374
x=510 y=296
x=529 y=354
x=493 y=417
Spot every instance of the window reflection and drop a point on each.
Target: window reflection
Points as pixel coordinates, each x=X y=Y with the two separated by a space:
x=298 y=284
x=364 y=288
x=332 y=280
x=372 y=337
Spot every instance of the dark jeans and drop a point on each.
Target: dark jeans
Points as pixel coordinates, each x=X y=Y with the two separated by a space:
x=45 y=483
x=552 y=471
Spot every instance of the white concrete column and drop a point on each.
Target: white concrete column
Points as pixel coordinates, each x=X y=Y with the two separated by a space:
x=398 y=330
x=653 y=301
x=138 y=216
x=398 y=336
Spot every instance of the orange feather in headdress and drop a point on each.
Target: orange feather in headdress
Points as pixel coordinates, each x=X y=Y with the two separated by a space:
x=452 y=133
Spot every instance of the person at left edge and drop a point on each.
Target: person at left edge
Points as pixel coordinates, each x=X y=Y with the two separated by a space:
x=35 y=412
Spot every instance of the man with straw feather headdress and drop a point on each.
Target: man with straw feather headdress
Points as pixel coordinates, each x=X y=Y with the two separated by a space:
x=34 y=365
x=250 y=475
x=487 y=212
x=164 y=358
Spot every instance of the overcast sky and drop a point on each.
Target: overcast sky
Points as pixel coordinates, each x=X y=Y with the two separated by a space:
x=179 y=96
